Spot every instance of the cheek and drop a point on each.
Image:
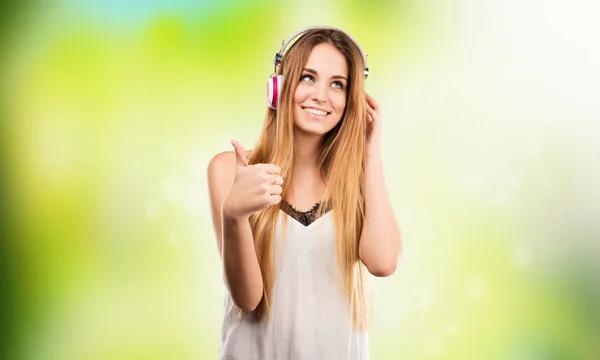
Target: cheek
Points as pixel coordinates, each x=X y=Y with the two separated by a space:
x=339 y=102
x=300 y=93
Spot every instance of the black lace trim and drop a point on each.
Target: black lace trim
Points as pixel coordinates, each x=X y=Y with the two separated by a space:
x=303 y=217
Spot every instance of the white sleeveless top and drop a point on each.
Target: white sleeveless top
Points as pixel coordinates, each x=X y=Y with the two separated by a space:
x=310 y=317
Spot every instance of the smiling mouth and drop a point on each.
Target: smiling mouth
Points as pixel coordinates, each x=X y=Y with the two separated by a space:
x=315 y=112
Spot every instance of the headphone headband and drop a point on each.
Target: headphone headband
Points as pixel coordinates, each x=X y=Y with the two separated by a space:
x=284 y=43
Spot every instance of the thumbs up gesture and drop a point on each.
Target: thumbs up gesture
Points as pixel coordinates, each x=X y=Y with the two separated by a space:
x=254 y=187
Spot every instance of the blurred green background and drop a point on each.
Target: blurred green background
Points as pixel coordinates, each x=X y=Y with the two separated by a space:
x=111 y=110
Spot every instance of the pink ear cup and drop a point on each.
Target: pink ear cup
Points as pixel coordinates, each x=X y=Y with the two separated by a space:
x=274 y=86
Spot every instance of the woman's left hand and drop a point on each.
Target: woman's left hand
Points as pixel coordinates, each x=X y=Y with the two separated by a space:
x=373 y=126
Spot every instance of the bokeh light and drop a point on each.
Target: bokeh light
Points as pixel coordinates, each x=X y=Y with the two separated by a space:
x=110 y=112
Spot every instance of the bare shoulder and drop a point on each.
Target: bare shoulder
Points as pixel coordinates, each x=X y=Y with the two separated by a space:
x=221 y=169
x=225 y=162
x=221 y=161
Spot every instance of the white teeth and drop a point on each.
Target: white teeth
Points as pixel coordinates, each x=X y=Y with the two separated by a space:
x=315 y=111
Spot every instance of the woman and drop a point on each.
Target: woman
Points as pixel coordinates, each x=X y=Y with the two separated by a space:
x=300 y=218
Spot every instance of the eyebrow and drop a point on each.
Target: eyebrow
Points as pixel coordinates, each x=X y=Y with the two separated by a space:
x=316 y=73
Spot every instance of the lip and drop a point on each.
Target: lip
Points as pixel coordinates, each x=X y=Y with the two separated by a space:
x=316 y=108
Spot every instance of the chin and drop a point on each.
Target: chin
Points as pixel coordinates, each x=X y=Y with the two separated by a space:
x=312 y=124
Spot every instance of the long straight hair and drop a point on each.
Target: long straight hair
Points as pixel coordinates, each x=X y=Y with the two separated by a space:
x=341 y=162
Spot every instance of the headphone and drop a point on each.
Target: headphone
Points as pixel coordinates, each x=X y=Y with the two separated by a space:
x=275 y=82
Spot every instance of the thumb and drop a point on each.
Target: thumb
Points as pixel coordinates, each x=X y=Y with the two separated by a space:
x=240 y=154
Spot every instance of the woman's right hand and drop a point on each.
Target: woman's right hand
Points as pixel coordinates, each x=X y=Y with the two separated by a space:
x=254 y=187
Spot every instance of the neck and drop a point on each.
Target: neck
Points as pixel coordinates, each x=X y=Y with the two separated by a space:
x=306 y=153
x=307 y=186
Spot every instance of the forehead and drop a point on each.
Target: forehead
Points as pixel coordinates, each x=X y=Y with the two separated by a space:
x=327 y=60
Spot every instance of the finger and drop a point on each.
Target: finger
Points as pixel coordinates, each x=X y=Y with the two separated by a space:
x=372 y=102
x=369 y=106
x=277 y=180
x=275 y=190
x=372 y=114
x=269 y=168
x=274 y=199
x=373 y=106
x=272 y=179
x=240 y=154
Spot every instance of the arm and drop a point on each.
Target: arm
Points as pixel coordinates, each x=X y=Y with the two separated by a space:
x=234 y=237
x=380 y=240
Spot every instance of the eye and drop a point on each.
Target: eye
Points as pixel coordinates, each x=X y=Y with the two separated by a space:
x=307 y=77
x=338 y=85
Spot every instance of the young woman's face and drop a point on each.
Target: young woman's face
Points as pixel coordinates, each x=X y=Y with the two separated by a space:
x=320 y=98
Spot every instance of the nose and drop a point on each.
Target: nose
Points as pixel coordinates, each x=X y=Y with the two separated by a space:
x=319 y=93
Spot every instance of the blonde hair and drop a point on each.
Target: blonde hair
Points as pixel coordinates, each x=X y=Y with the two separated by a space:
x=342 y=165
